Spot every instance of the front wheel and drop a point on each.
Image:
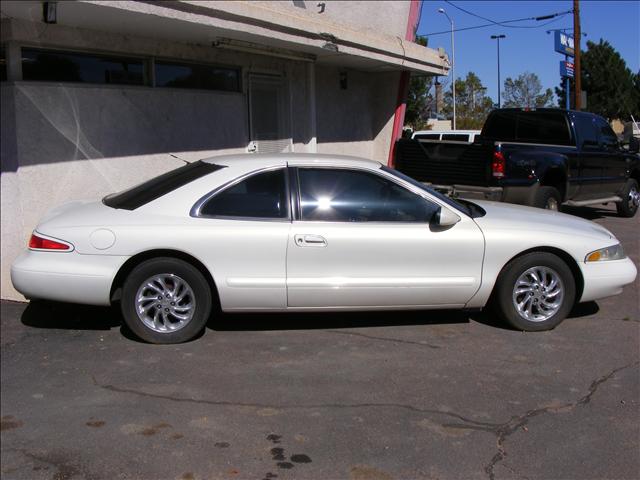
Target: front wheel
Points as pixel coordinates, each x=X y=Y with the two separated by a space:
x=630 y=199
x=166 y=300
x=535 y=292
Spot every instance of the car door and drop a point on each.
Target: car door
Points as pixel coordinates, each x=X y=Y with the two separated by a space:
x=613 y=160
x=589 y=162
x=361 y=239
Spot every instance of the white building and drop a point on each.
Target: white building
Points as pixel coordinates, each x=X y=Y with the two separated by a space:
x=100 y=95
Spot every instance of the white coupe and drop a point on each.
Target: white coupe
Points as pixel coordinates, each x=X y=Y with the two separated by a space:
x=311 y=233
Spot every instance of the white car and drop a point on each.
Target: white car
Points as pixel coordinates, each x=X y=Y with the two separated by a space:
x=311 y=233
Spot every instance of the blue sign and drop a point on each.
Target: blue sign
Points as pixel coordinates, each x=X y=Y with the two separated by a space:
x=564 y=43
x=566 y=69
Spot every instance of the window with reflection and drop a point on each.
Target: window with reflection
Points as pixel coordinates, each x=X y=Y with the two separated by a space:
x=585 y=125
x=340 y=195
x=191 y=75
x=263 y=195
x=3 y=65
x=54 y=66
x=608 y=138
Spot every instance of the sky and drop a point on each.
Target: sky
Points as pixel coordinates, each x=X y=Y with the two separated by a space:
x=527 y=49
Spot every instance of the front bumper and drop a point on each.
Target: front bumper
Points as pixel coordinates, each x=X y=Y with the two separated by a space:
x=604 y=279
x=66 y=277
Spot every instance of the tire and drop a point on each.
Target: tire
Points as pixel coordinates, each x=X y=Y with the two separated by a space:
x=166 y=300
x=630 y=199
x=547 y=198
x=517 y=281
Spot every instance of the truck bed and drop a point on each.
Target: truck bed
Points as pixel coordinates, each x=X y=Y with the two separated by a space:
x=444 y=163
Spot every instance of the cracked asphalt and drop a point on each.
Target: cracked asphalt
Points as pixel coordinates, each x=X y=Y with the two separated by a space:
x=415 y=395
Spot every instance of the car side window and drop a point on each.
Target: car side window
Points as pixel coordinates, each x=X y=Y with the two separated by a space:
x=608 y=138
x=341 y=195
x=263 y=195
x=587 y=129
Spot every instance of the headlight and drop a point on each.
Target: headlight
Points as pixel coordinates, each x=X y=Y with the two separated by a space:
x=614 y=252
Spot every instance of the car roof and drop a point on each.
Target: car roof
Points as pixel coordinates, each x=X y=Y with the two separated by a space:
x=291 y=159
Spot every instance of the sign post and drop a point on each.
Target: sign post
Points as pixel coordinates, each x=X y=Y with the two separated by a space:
x=564 y=45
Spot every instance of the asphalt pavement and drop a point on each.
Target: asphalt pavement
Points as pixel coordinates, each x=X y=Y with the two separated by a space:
x=362 y=396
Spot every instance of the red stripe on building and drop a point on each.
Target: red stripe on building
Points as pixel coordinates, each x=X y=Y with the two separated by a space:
x=401 y=106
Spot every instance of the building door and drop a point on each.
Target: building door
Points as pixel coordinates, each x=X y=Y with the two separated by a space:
x=269 y=115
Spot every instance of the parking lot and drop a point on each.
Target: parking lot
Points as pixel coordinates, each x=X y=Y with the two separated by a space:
x=363 y=396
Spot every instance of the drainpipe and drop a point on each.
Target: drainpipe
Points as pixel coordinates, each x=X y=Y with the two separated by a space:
x=403 y=87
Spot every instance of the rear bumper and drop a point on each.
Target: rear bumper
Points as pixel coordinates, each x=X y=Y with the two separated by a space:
x=520 y=194
x=604 y=279
x=66 y=277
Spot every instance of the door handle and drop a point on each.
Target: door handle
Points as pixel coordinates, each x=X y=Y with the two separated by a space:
x=310 y=241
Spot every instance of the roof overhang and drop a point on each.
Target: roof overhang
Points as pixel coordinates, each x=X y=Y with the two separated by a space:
x=243 y=26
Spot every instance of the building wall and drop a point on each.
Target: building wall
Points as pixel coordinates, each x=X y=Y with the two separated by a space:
x=64 y=141
x=387 y=17
x=355 y=120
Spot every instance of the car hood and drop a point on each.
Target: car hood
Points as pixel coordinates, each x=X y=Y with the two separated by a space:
x=536 y=220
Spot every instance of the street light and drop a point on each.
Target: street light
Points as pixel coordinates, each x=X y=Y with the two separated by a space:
x=498 y=37
x=453 y=70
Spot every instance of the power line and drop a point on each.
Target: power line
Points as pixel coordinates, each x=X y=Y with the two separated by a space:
x=555 y=17
x=539 y=18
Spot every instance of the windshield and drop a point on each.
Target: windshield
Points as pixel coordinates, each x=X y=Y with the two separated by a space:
x=422 y=186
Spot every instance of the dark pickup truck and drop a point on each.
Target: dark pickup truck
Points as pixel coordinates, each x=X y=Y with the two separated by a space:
x=538 y=157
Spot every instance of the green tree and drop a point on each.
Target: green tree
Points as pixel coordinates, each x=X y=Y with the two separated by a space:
x=526 y=91
x=472 y=103
x=613 y=90
x=419 y=100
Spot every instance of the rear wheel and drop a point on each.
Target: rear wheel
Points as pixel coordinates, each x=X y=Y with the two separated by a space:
x=166 y=300
x=630 y=199
x=535 y=292
x=547 y=198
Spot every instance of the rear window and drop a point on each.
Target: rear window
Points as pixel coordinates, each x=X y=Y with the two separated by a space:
x=157 y=187
x=549 y=128
x=427 y=136
x=456 y=137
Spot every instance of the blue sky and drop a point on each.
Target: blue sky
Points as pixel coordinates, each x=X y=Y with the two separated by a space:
x=527 y=49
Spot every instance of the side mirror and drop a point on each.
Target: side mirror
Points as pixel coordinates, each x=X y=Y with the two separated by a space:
x=446 y=218
x=634 y=145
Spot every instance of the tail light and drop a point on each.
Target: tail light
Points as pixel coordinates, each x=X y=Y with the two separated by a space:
x=39 y=243
x=498 y=164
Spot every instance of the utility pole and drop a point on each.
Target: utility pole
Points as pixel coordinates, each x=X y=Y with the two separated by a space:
x=576 y=45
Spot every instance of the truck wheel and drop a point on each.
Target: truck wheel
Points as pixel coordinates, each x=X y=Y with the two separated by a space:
x=547 y=198
x=166 y=300
x=630 y=199
x=535 y=292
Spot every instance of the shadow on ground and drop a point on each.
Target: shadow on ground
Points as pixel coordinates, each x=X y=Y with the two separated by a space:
x=590 y=213
x=54 y=315
x=69 y=316
x=332 y=320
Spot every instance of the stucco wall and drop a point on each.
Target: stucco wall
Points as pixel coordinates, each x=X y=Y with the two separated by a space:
x=62 y=142
x=356 y=120
x=66 y=142
x=386 y=17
